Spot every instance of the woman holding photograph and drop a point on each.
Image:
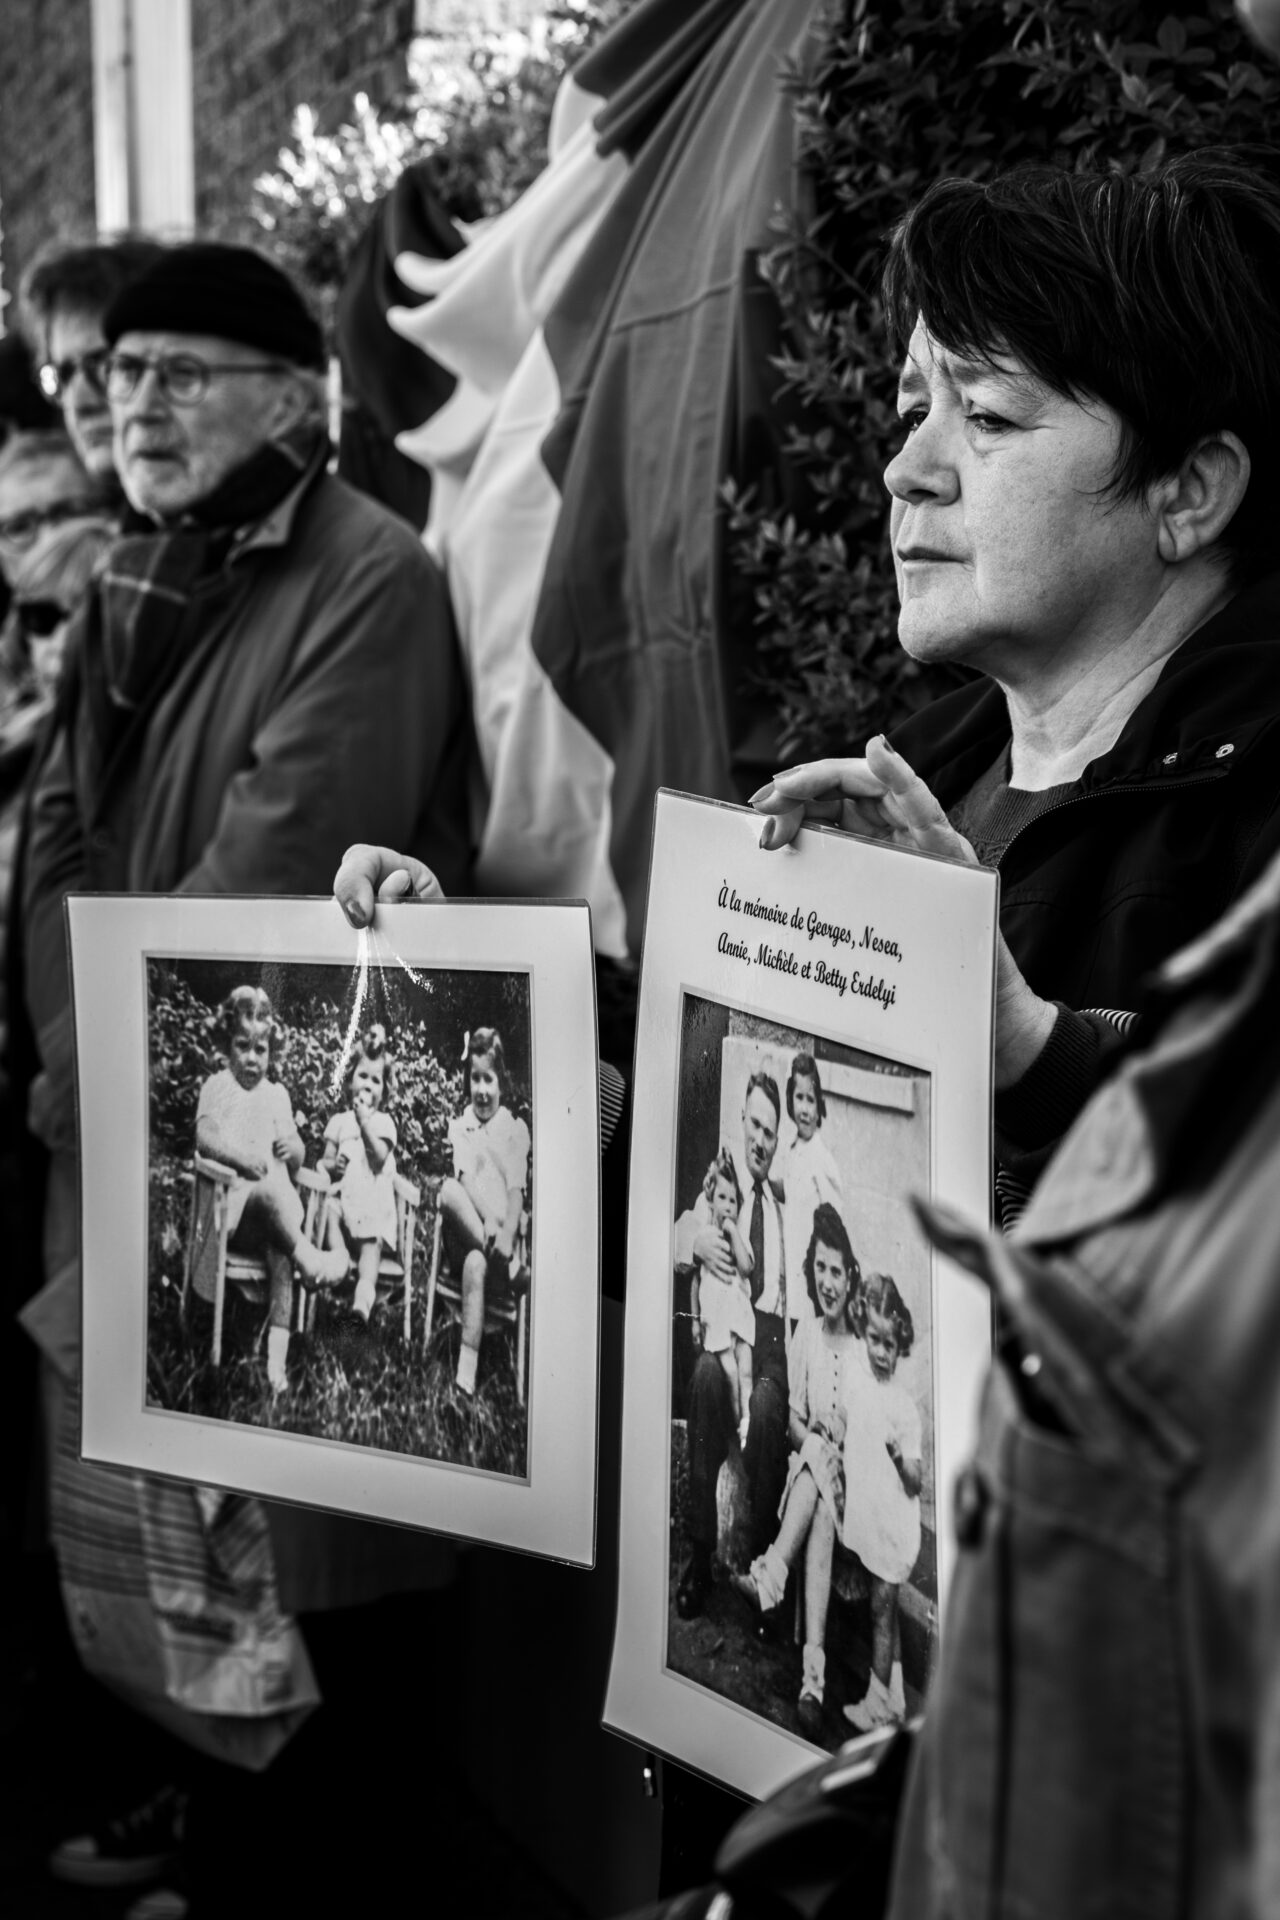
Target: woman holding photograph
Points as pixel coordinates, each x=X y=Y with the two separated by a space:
x=1084 y=510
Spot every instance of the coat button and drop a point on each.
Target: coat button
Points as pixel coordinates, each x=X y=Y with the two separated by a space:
x=969 y=1507
x=1224 y=750
x=103 y=840
x=1169 y=760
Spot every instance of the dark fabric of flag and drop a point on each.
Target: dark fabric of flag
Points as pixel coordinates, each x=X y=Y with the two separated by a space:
x=387 y=383
x=604 y=357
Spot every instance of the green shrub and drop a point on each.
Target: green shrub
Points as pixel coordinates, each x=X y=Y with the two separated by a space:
x=905 y=91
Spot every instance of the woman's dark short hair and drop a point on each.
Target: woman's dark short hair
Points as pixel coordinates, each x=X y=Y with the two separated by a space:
x=1154 y=292
x=829 y=1230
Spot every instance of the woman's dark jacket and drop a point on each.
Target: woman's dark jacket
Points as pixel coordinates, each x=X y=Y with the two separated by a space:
x=1160 y=836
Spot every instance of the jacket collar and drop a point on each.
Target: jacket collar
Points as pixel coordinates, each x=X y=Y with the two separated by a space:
x=1216 y=694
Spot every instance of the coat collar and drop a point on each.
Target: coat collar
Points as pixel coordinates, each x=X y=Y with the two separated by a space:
x=1216 y=694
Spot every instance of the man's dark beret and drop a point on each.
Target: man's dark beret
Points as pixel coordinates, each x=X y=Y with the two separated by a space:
x=230 y=292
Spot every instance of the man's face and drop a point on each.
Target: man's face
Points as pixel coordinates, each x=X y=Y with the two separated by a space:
x=85 y=412
x=759 y=1133
x=170 y=457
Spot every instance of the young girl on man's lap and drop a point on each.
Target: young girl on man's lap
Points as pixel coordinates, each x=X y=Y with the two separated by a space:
x=482 y=1205
x=724 y=1320
x=359 y=1155
x=823 y=1352
x=244 y=1118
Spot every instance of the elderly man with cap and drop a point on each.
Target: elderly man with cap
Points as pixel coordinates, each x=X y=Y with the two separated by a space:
x=264 y=664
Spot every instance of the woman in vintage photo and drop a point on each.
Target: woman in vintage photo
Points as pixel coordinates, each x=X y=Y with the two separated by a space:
x=822 y=1354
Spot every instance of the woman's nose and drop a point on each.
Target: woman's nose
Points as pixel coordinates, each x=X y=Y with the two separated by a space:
x=923 y=467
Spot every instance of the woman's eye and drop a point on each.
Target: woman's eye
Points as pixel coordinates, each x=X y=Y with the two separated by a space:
x=988 y=422
x=912 y=418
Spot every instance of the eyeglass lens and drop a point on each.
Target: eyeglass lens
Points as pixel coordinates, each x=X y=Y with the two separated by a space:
x=180 y=375
x=56 y=376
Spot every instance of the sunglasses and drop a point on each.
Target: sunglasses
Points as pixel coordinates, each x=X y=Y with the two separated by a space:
x=56 y=375
x=20 y=529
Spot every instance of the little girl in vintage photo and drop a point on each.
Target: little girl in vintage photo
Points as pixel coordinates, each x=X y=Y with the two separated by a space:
x=482 y=1205
x=359 y=1156
x=883 y=1476
x=822 y=1352
x=724 y=1321
x=804 y=1177
x=245 y=1119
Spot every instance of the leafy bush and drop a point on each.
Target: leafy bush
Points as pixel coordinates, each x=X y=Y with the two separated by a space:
x=477 y=109
x=905 y=91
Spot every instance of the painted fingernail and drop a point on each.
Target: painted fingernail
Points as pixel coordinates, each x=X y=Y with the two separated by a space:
x=766 y=834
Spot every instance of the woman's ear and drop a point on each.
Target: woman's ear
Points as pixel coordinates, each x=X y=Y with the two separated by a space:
x=1195 y=505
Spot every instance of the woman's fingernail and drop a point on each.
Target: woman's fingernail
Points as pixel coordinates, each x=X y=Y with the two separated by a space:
x=766 y=834
x=885 y=744
x=761 y=793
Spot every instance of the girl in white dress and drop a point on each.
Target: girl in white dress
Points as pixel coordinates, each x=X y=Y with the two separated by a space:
x=359 y=1155
x=882 y=1448
x=804 y=1177
x=823 y=1349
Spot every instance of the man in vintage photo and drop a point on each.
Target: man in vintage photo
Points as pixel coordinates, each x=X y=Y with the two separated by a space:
x=712 y=1427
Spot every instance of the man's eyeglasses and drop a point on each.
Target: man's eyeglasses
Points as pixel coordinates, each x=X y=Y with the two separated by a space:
x=56 y=375
x=20 y=529
x=182 y=377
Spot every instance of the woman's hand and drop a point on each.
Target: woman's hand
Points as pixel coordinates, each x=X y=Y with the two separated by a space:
x=369 y=874
x=884 y=799
x=880 y=797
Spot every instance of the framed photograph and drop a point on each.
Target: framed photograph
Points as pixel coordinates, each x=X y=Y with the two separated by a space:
x=339 y=1199
x=814 y=1049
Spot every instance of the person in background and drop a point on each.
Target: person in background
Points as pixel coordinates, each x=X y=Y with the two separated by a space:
x=62 y=298
x=297 y=674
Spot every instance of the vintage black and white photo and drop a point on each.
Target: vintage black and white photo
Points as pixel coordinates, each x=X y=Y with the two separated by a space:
x=339 y=1240
x=327 y=1174
x=802 y=1562
x=801 y=1365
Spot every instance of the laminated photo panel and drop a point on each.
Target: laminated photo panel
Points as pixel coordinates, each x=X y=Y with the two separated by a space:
x=301 y=1144
x=879 y=967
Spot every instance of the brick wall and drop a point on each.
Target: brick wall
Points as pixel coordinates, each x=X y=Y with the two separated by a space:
x=46 y=126
x=256 y=61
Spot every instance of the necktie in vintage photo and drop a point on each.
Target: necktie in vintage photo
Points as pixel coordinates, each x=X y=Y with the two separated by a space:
x=757 y=1242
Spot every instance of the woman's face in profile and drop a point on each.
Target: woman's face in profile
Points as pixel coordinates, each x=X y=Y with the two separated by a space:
x=1008 y=555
